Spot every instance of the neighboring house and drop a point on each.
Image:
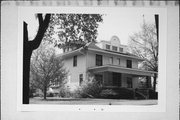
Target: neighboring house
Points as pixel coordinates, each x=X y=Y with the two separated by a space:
x=107 y=61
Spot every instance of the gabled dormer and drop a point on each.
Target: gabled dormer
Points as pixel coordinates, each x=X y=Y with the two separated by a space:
x=114 y=44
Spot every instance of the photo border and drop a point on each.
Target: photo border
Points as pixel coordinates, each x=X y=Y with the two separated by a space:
x=161 y=107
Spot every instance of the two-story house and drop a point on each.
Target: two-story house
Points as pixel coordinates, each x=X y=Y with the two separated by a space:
x=108 y=61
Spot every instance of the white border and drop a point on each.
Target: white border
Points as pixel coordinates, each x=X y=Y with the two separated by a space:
x=161 y=107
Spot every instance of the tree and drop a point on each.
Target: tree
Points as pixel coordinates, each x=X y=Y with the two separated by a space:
x=145 y=45
x=28 y=47
x=73 y=30
x=46 y=68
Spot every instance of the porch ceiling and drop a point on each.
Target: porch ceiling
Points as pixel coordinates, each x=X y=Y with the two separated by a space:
x=118 y=69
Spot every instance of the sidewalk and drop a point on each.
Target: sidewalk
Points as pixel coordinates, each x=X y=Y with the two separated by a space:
x=90 y=101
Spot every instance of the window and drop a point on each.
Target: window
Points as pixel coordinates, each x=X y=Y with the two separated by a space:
x=119 y=61
x=98 y=60
x=111 y=60
x=108 y=47
x=114 y=48
x=75 y=61
x=129 y=82
x=120 y=49
x=129 y=63
x=99 y=78
x=80 y=79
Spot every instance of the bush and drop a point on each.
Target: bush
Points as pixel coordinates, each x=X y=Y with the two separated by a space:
x=89 y=89
x=117 y=93
x=50 y=95
x=65 y=92
x=153 y=94
x=108 y=93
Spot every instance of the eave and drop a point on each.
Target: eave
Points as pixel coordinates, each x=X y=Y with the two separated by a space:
x=119 y=69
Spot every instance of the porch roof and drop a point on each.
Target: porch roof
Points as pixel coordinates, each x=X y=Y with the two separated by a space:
x=119 y=69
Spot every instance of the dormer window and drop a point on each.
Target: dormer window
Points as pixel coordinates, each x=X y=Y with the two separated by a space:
x=107 y=47
x=114 y=48
x=120 y=49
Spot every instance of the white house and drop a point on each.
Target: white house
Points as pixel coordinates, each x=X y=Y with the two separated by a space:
x=108 y=61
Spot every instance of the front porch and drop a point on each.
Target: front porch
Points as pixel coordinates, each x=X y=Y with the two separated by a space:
x=115 y=78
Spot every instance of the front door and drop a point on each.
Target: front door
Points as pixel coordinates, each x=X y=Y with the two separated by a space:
x=116 y=78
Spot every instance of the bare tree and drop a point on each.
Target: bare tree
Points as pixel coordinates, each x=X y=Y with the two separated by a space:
x=145 y=45
x=46 y=68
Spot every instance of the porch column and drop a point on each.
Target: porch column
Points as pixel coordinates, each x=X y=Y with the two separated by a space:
x=148 y=82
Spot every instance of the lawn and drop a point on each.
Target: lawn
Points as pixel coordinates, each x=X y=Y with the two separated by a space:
x=90 y=101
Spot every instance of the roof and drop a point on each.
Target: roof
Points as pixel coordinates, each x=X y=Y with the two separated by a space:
x=91 y=46
x=119 y=69
x=120 y=53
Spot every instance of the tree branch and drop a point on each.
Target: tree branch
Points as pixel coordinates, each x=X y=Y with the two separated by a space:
x=43 y=25
x=25 y=36
x=40 y=18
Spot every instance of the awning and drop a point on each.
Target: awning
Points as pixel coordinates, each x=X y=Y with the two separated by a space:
x=119 y=69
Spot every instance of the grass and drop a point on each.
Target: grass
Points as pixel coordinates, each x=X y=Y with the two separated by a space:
x=90 y=101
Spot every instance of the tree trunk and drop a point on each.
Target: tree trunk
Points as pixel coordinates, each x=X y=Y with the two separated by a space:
x=45 y=91
x=28 y=47
x=26 y=65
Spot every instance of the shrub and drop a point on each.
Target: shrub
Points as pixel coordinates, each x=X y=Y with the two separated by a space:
x=89 y=89
x=65 y=92
x=108 y=93
x=50 y=95
x=117 y=93
x=153 y=94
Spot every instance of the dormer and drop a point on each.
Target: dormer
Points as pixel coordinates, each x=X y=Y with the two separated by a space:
x=114 y=44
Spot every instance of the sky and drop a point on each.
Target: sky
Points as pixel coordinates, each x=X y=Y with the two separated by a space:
x=119 y=23
x=122 y=25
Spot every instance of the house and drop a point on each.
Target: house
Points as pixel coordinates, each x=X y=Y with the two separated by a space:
x=108 y=61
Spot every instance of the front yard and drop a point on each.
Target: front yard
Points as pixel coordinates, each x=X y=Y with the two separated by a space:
x=90 y=101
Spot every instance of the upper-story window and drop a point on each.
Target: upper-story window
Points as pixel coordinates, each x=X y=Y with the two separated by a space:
x=129 y=63
x=120 y=49
x=114 y=48
x=119 y=61
x=107 y=47
x=75 y=61
x=111 y=60
x=99 y=60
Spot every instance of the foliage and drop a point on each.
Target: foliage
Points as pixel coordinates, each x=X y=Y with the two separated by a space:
x=28 y=47
x=73 y=30
x=117 y=93
x=89 y=89
x=46 y=68
x=145 y=45
x=65 y=92
x=108 y=93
